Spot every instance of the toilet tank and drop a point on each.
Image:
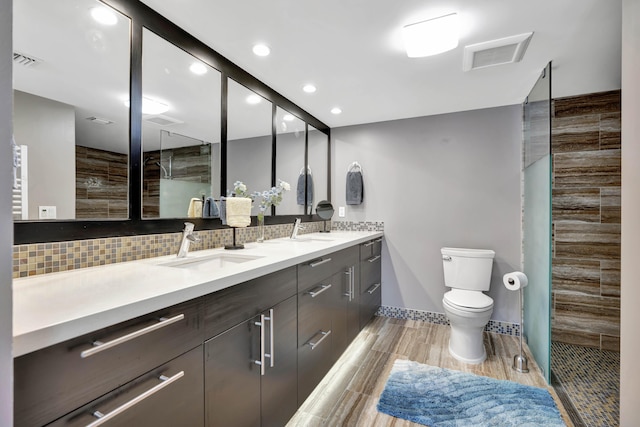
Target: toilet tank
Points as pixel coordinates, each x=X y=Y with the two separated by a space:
x=468 y=269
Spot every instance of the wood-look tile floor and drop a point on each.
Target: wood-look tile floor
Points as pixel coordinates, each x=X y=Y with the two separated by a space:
x=349 y=393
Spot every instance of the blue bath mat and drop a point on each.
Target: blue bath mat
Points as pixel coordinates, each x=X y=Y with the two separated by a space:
x=438 y=397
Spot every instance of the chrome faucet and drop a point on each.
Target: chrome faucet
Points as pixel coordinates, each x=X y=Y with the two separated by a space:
x=296 y=227
x=187 y=238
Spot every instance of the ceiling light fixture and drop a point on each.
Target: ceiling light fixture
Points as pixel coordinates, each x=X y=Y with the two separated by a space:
x=198 y=68
x=309 y=88
x=104 y=16
x=150 y=106
x=261 y=50
x=288 y=117
x=431 y=37
x=253 y=99
x=336 y=110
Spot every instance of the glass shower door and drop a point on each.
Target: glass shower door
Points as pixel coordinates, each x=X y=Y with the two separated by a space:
x=537 y=220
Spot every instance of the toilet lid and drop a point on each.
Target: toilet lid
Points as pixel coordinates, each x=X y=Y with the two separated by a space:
x=469 y=299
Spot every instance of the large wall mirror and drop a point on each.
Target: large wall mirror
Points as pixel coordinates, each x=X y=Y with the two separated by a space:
x=126 y=118
x=71 y=81
x=180 y=129
x=290 y=152
x=249 y=140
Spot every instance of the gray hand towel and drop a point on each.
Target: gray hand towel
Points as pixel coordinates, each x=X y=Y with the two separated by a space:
x=223 y=210
x=300 y=189
x=210 y=209
x=355 y=188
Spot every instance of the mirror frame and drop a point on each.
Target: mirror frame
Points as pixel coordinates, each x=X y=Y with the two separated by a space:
x=142 y=16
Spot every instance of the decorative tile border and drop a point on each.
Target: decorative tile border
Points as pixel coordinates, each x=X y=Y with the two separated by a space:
x=357 y=226
x=41 y=258
x=495 y=326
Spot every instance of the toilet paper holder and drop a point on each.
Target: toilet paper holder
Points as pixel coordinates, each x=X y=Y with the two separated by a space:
x=520 y=363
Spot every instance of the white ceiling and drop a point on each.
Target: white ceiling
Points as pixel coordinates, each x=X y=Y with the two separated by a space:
x=352 y=51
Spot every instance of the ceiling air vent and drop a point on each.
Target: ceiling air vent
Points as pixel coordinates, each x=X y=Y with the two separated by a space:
x=162 y=120
x=495 y=52
x=99 y=120
x=25 y=60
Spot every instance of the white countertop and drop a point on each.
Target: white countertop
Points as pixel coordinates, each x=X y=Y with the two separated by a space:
x=52 y=308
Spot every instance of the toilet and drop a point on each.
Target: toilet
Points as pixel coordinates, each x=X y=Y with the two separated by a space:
x=468 y=273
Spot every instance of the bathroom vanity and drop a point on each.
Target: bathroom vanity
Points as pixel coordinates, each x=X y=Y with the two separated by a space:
x=216 y=338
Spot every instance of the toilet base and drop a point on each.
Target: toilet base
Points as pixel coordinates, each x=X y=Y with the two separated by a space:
x=473 y=361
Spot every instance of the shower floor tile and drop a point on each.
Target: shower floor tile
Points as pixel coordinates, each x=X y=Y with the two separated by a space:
x=588 y=382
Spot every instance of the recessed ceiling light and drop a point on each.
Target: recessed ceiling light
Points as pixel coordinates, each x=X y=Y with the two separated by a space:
x=104 y=16
x=254 y=99
x=432 y=36
x=336 y=110
x=288 y=117
x=261 y=50
x=309 y=88
x=198 y=68
x=151 y=106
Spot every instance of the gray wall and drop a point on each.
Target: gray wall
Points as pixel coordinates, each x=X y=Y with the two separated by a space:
x=448 y=180
x=249 y=161
x=6 y=224
x=630 y=315
x=47 y=127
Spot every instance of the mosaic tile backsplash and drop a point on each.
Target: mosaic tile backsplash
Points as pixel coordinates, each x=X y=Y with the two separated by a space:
x=41 y=258
x=497 y=327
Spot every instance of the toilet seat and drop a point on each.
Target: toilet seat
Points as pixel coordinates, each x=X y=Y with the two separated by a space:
x=470 y=301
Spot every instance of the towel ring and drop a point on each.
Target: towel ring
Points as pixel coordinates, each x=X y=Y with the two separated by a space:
x=308 y=171
x=353 y=166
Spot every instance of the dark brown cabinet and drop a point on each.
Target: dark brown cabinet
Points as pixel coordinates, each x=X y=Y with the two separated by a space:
x=370 y=280
x=250 y=370
x=247 y=355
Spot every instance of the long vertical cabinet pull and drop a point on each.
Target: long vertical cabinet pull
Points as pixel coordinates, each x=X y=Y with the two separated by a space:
x=271 y=354
x=350 y=292
x=261 y=361
x=353 y=281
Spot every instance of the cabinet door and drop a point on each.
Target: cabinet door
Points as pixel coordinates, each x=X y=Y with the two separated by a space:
x=279 y=384
x=232 y=378
x=170 y=396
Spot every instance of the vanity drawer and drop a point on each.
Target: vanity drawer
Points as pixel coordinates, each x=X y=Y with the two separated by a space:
x=369 y=303
x=228 y=307
x=370 y=273
x=315 y=305
x=53 y=381
x=174 y=398
x=370 y=249
x=320 y=268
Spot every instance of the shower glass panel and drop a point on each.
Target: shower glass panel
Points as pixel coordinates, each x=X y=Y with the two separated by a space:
x=537 y=220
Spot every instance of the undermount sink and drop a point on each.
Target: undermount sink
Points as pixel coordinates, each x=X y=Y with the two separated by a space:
x=210 y=261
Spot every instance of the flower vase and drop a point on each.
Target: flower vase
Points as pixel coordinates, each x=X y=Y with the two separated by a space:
x=260 y=237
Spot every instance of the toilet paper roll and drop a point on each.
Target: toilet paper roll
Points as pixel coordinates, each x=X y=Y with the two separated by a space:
x=515 y=280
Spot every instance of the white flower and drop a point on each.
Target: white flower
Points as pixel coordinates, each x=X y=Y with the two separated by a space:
x=285 y=186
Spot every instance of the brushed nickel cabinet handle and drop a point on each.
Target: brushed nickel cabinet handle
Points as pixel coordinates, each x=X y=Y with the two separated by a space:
x=366 y=245
x=379 y=240
x=324 y=335
x=349 y=273
x=373 y=288
x=374 y=259
x=262 y=355
x=270 y=355
x=320 y=262
x=103 y=418
x=99 y=346
x=322 y=289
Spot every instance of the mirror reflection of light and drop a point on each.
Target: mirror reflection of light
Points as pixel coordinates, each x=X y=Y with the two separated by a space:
x=104 y=16
x=288 y=117
x=253 y=99
x=198 y=68
x=151 y=106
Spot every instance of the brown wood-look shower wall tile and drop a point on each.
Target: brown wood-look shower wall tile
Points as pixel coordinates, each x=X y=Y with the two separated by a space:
x=587 y=240
x=586 y=339
x=610 y=278
x=610 y=343
x=611 y=205
x=581 y=133
x=576 y=204
x=587 y=313
x=610 y=131
x=587 y=169
x=595 y=103
x=576 y=275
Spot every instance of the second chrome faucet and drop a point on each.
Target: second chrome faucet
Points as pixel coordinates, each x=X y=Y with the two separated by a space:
x=296 y=227
x=187 y=238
